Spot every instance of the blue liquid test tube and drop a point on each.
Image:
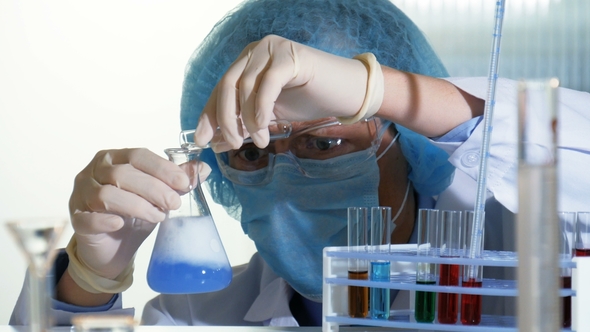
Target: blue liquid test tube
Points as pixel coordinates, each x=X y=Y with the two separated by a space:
x=380 y=300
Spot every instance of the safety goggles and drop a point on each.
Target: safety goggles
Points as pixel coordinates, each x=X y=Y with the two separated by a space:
x=318 y=149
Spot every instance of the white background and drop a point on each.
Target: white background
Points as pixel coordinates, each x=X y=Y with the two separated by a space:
x=77 y=77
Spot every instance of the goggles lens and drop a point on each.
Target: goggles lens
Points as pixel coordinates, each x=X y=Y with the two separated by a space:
x=308 y=143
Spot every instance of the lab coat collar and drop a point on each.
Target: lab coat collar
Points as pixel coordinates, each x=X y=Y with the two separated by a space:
x=272 y=305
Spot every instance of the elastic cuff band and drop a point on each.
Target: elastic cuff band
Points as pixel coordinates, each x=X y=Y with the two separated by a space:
x=375 y=89
x=92 y=282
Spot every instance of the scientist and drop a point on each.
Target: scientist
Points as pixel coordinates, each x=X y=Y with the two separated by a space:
x=407 y=139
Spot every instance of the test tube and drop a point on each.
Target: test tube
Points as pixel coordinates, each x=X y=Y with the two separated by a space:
x=472 y=274
x=567 y=223
x=427 y=241
x=358 y=269
x=450 y=246
x=380 y=268
x=582 y=234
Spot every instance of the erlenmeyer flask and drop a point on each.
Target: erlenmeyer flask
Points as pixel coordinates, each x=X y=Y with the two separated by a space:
x=188 y=255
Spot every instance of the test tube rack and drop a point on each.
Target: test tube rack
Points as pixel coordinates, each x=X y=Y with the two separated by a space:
x=403 y=260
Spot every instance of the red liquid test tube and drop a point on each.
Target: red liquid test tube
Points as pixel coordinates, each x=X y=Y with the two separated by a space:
x=450 y=246
x=471 y=304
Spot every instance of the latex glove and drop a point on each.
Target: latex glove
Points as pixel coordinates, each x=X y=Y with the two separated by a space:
x=116 y=203
x=279 y=78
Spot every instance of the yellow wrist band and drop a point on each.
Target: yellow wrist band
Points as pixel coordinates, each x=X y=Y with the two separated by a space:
x=92 y=282
x=375 y=89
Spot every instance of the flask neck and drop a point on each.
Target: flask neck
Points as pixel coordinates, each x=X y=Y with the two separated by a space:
x=193 y=203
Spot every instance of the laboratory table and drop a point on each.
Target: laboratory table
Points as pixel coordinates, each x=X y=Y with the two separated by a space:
x=213 y=329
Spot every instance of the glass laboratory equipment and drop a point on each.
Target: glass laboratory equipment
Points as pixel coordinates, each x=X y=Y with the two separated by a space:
x=37 y=239
x=582 y=237
x=567 y=223
x=358 y=269
x=381 y=228
x=471 y=304
x=428 y=237
x=102 y=323
x=537 y=221
x=450 y=246
x=188 y=256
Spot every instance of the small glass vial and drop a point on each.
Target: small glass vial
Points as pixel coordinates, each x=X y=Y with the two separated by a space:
x=188 y=255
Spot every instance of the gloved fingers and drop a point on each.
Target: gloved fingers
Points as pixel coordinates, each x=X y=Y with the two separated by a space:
x=207 y=125
x=89 y=223
x=108 y=199
x=129 y=179
x=260 y=58
x=228 y=111
x=145 y=161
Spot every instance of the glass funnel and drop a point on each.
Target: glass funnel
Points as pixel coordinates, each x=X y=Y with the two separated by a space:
x=188 y=255
x=37 y=239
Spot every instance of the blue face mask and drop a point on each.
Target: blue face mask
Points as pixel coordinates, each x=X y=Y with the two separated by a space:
x=294 y=217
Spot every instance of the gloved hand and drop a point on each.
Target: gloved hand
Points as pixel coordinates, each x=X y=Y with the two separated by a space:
x=279 y=78
x=116 y=203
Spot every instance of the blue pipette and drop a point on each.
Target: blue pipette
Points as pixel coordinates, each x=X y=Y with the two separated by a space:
x=477 y=232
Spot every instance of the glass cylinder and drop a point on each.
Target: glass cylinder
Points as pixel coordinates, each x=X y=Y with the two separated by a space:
x=472 y=274
x=428 y=237
x=450 y=246
x=380 y=268
x=188 y=255
x=537 y=220
x=358 y=269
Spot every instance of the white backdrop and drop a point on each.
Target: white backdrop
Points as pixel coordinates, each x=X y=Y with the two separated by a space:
x=80 y=76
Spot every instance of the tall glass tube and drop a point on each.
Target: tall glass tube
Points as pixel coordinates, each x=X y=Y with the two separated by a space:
x=471 y=304
x=188 y=255
x=380 y=269
x=537 y=220
x=428 y=236
x=358 y=269
x=449 y=274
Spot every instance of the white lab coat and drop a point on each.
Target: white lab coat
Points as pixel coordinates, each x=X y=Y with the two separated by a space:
x=257 y=296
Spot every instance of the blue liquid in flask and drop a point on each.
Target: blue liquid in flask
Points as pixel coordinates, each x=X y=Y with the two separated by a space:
x=188 y=257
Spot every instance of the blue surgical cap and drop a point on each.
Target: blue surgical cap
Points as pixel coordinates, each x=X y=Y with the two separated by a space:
x=341 y=27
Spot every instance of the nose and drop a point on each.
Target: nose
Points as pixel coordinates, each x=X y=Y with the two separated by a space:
x=281 y=146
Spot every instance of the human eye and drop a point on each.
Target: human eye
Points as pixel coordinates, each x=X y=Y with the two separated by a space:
x=249 y=158
x=320 y=147
x=324 y=143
